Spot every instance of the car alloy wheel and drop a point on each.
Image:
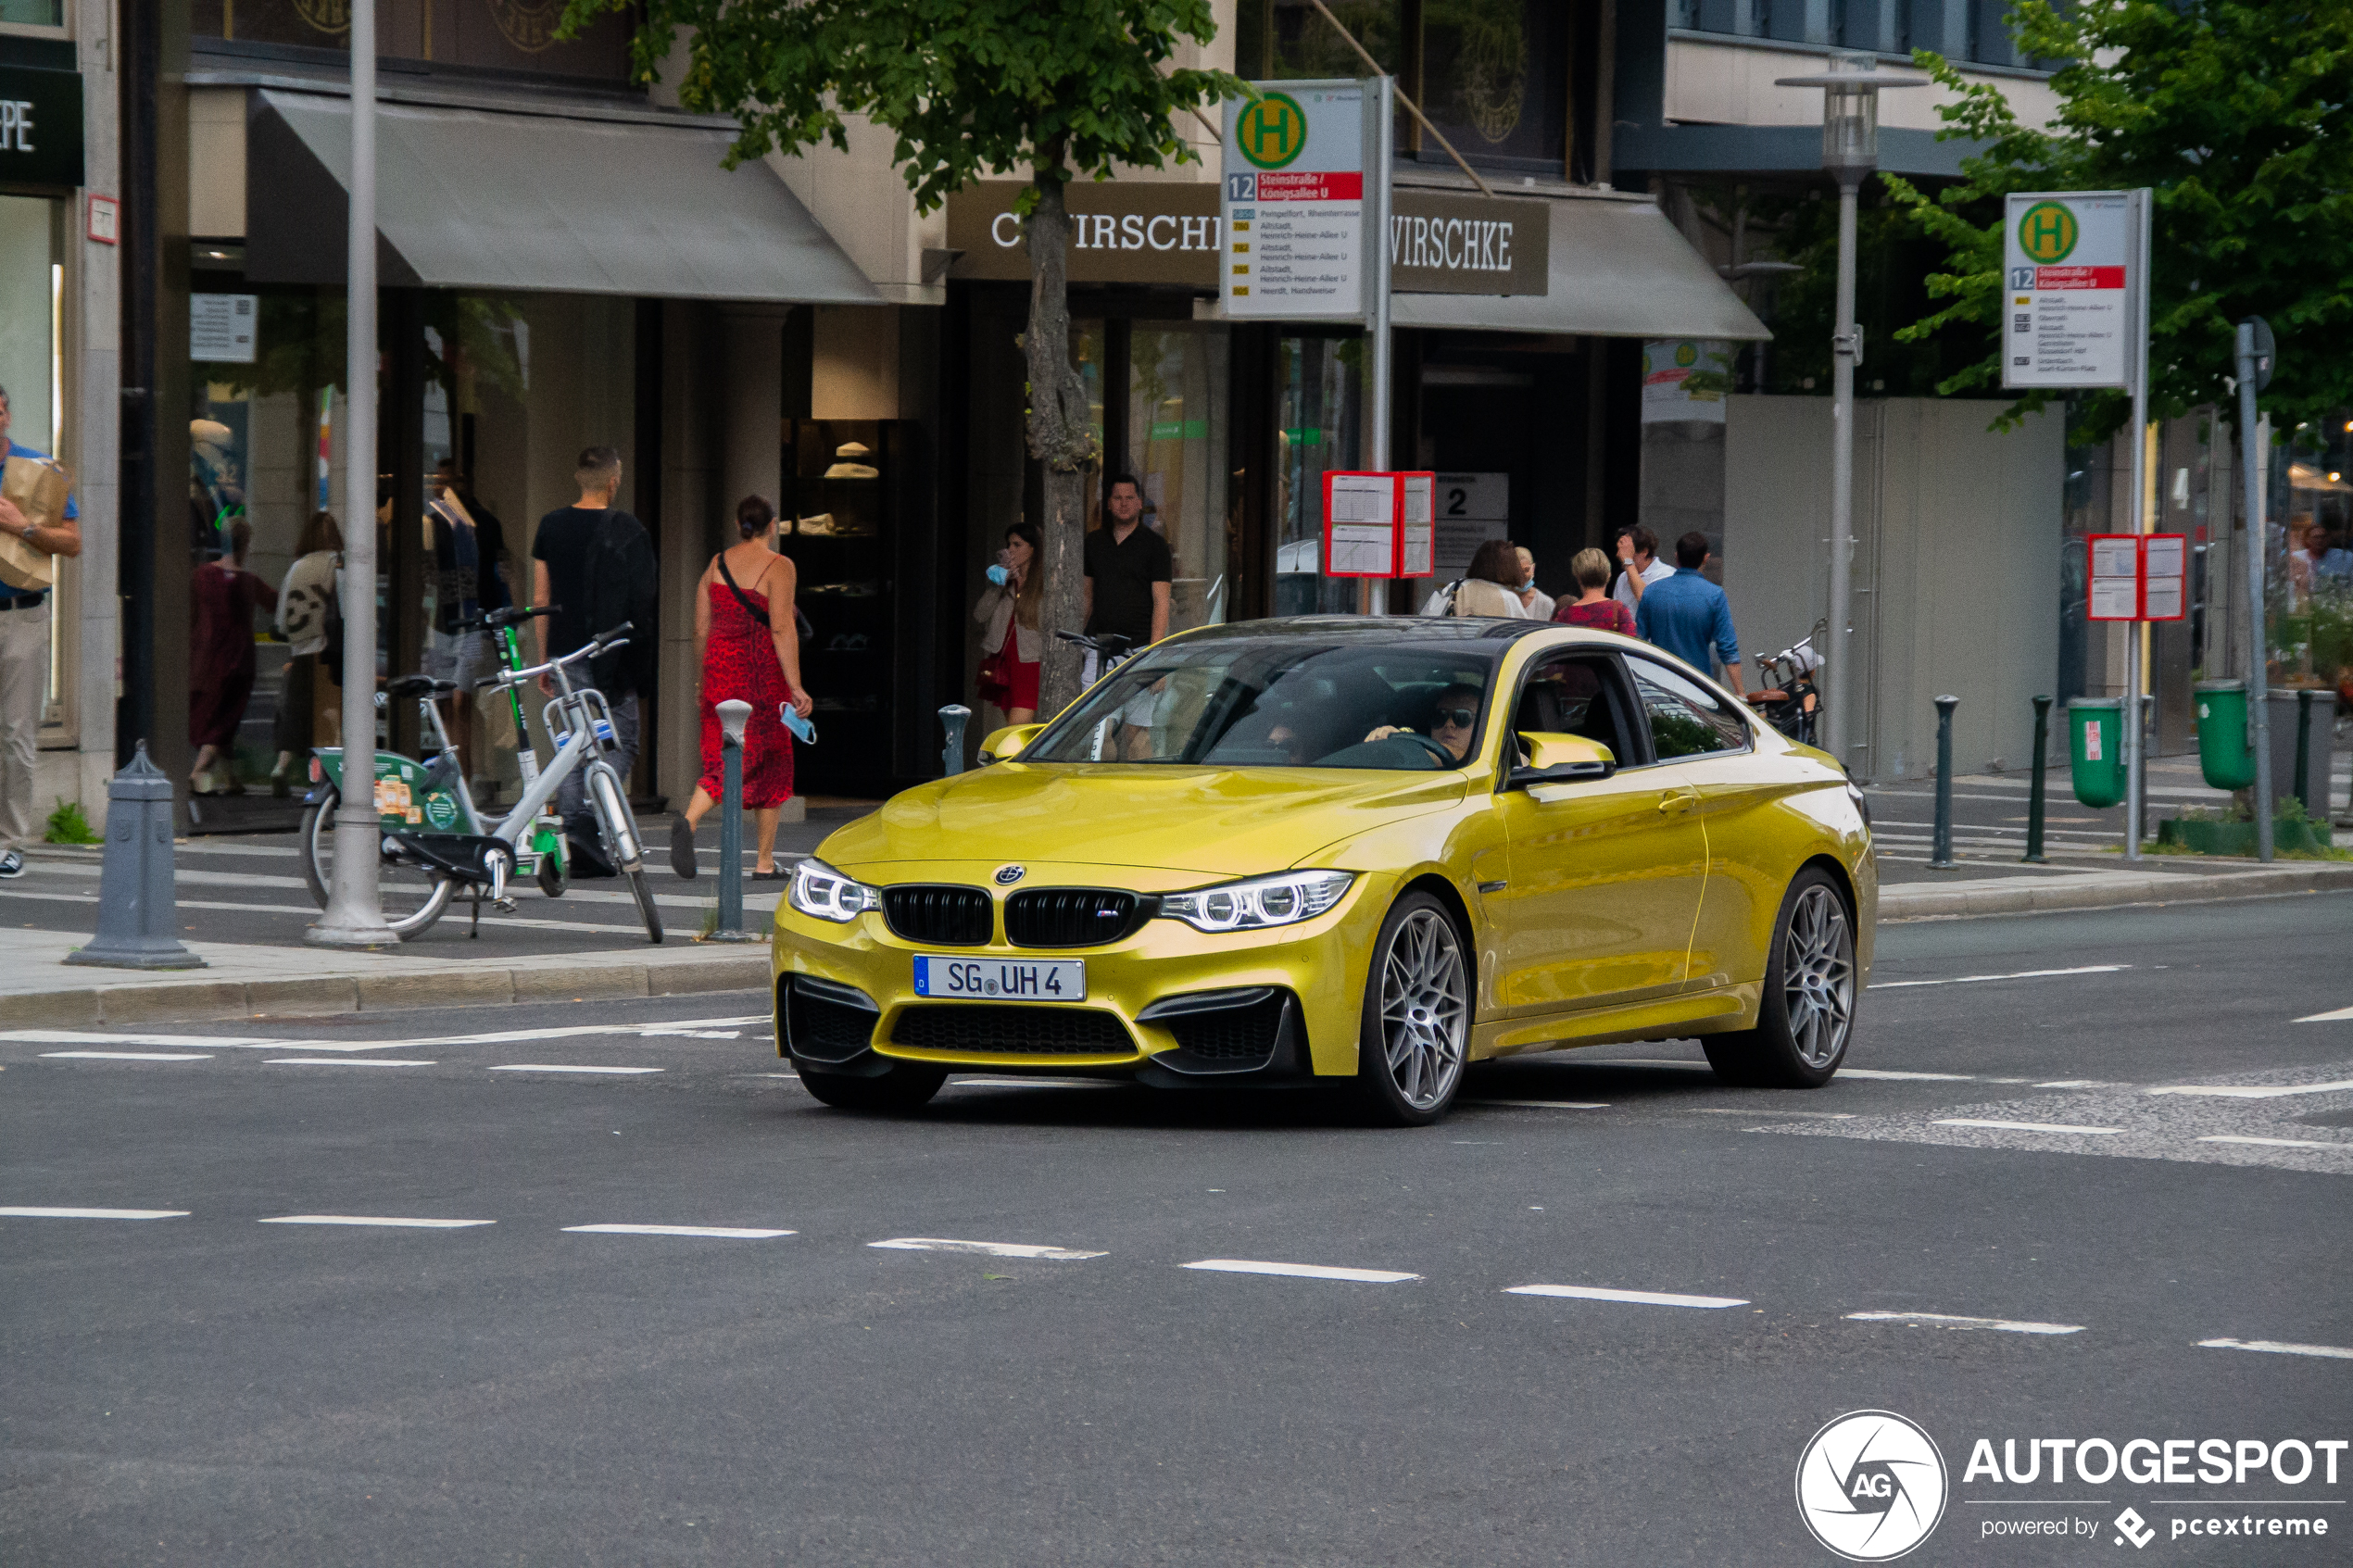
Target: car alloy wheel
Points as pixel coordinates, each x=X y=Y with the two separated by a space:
x=1817 y=976
x=1418 y=1027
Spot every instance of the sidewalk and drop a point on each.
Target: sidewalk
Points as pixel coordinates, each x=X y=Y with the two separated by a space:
x=37 y=990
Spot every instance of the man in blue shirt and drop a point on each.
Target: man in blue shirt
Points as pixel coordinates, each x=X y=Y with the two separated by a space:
x=24 y=660
x=1689 y=616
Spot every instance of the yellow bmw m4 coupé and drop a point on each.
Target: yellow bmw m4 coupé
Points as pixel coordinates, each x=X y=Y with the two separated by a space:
x=1344 y=850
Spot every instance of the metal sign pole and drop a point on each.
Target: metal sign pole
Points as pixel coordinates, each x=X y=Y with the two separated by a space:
x=355 y=909
x=1838 y=670
x=1380 y=108
x=2135 y=741
x=2259 y=701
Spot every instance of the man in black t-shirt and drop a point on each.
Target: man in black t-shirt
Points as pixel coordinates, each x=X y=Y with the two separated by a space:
x=565 y=572
x=1128 y=569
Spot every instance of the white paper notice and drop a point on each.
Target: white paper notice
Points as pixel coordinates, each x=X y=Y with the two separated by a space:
x=2115 y=557
x=1420 y=544
x=1359 y=550
x=220 y=327
x=2115 y=598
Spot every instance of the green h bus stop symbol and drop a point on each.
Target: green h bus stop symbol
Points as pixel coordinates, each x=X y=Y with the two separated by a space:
x=1271 y=131
x=2047 y=233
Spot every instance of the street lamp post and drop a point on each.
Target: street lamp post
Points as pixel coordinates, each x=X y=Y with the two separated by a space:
x=1850 y=151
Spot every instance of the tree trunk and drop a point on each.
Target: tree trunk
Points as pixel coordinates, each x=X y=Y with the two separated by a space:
x=1061 y=436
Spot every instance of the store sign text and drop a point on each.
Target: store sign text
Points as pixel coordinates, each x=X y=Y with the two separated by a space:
x=1132 y=233
x=40 y=126
x=1441 y=243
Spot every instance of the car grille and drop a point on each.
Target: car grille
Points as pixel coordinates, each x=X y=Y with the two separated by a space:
x=1011 y=1031
x=823 y=1030
x=1070 y=917
x=953 y=917
x=1230 y=1035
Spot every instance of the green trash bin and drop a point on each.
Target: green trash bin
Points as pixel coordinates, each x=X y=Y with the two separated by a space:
x=2223 y=748
x=2095 y=744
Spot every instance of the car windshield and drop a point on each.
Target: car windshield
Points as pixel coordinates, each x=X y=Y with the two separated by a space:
x=1282 y=701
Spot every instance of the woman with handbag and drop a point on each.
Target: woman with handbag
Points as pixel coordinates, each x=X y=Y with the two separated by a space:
x=1009 y=640
x=747 y=647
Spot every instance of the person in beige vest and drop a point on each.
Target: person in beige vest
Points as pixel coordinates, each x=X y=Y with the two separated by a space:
x=24 y=660
x=1492 y=587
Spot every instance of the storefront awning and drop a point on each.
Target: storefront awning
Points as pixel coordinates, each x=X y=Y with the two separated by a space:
x=477 y=199
x=1618 y=269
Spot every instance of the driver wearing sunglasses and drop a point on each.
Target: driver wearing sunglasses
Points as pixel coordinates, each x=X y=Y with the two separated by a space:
x=1452 y=722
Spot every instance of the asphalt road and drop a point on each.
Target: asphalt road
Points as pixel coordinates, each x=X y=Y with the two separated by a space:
x=218 y=1388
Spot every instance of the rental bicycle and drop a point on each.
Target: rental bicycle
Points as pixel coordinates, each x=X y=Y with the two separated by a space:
x=434 y=843
x=1105 y=652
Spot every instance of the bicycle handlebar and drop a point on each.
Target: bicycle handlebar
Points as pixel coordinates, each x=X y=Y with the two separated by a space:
x=1108 y=642
x=595 y=645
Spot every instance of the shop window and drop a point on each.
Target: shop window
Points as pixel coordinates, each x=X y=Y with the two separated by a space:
x=34 y=13
x=515 y=36
x=1319 y=397
x=1492 y=77
x=1177 y=447
x=31 y=301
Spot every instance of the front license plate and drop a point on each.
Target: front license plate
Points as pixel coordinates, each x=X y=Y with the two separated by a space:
x=1056 y=980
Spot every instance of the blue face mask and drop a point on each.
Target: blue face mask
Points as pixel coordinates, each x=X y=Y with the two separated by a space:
x=1000 y=576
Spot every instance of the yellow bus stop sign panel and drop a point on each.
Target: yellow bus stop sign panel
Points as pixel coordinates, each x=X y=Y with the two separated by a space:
x=1272 y=131
x=2047 y=233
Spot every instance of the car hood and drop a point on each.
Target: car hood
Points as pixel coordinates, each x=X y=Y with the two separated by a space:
x=1216 y=821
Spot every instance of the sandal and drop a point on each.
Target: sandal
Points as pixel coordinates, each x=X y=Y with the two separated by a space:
x=770 y=876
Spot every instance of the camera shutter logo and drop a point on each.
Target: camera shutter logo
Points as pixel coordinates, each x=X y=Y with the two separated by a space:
x=1871 y=1485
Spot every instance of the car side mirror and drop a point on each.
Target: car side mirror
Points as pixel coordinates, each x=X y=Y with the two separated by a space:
x=1008 y=742
x=1556 y=758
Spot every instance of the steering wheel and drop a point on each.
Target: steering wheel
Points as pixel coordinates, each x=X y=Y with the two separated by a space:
x=1445 y=757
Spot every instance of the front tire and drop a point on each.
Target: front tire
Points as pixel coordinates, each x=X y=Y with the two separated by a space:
x=645 y=911
x=905 y=1087
x=1416 y=1036
x=1807 y=1014
x=412 y=898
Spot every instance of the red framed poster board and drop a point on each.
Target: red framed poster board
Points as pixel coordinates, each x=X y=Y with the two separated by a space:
x=1380 y=523
x=2139 y=577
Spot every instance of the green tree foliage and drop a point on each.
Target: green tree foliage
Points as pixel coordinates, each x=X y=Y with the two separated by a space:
x=970 y=88
x=2238 y=114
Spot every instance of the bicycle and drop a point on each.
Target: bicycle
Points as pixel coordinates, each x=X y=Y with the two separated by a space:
x=1105 y=653
x=421 y=870
x=1788 y=698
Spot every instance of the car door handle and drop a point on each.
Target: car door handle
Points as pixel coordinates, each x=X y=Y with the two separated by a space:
x=1678 y=800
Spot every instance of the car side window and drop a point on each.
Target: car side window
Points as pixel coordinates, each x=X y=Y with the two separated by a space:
x=1577 y=695
x=1686 y=718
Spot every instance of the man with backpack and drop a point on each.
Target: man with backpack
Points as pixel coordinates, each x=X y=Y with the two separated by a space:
x=595 y=563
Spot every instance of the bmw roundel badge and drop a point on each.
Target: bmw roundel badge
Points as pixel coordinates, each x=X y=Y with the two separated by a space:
x=1008 y=875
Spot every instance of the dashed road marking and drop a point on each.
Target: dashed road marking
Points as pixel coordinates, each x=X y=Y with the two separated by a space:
x=124 y=1056
x=2254 y=1091
x=1539 y=1104
x=345 y=1061
x=2075 y=1084
x=85 y=1037
x=2278 y=1348
x=1300 y=1271
x=22 y=1212
x=988 y=1249
x=395 y=1222
x=2272 y=1143
x=1949 y=1319
x=2339 y=1016
x=1748 y=1111
x=2015 y=974
x=1636 y=1297
x=726 y=1232
x=2022 y=1126
x=567 y=1067
x=1893 y=1076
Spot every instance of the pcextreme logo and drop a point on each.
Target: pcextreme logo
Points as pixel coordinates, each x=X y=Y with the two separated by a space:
x=1871 y=1485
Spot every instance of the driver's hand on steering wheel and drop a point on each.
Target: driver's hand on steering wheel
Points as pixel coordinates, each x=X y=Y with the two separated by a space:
x=1384 y=732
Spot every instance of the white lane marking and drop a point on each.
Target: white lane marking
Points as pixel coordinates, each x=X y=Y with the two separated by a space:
x=2274 y=1142
x=2339 y=1016
x=1905 y=1077
x=2021 y=1126
x=985 y=1249
x=2254 y=1091
x=729 y=1232
x=124 y=1056
x=692 y=1034
x=1035 y=1084
x=2072 y=1084
x=1948 y=1319
x=566 y=1067
x=1744 y=1110
x=1540 y=1104
x=2278 y=1348
x=1637 y=1298
x=35 y=1213
x=83 y=1037
x=1300 y=1271
x=374 y=1219
x=2016 y=975
x=345 y=1061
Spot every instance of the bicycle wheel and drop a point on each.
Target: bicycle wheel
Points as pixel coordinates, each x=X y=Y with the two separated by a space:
x=619 y=826
x=645 y=911
x=410 y=898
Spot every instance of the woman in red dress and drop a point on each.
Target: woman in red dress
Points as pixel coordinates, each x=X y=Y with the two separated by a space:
x=748 y=648
x=1009 y=640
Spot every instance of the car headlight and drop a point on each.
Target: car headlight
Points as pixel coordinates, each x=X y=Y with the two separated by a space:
x=817 y=889
x=1262 y=901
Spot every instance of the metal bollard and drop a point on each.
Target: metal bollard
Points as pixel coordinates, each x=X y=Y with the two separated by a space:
x=1940 y=855
x=138 y=908
x=2304 y=759
x=732 y=716
x=955 y=715
x=2034 y=856
x=2148 y=735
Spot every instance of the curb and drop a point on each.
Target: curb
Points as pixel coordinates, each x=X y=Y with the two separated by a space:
x=1915 y=901
x=593 y=978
